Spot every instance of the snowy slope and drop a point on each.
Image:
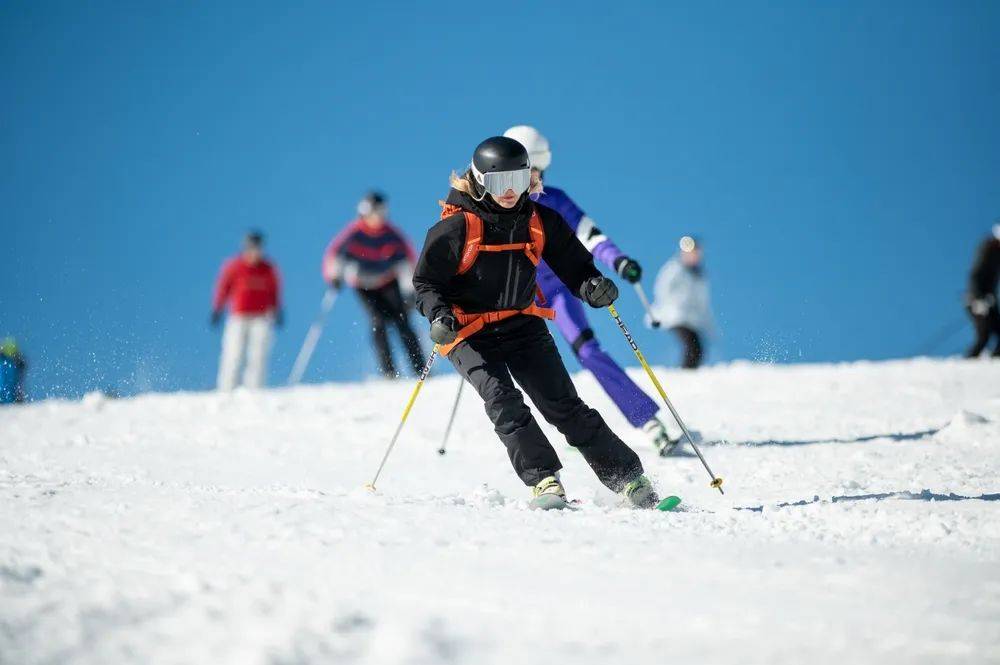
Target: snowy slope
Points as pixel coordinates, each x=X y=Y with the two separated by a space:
x=203 y=528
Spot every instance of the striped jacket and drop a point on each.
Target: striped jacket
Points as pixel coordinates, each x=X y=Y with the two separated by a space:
x=369 y=258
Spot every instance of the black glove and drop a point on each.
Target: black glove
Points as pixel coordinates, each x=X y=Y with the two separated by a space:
x=279 y=318
x=336 y=283
x=444 y=329
x=629 y=269
x=599 y=291
x=216 y=318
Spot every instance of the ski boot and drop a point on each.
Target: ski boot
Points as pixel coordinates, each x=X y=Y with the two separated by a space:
x=657 y=432
x=640 y=493
x=548 y=494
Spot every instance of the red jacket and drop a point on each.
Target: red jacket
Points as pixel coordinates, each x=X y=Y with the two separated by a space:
x=249 y=289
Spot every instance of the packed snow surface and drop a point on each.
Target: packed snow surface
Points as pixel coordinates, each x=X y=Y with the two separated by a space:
x=859 y=525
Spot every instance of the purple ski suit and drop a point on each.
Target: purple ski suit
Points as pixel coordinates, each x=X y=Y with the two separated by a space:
x=571 y=318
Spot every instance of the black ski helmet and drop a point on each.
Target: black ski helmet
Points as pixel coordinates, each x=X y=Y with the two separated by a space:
x=499 y=153
x=254 y=238
x=376 y=197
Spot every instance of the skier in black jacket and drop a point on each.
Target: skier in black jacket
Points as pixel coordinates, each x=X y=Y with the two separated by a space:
x=475 y=282
x=981 y=299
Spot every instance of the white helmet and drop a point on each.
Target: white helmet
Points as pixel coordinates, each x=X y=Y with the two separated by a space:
x=536 y=145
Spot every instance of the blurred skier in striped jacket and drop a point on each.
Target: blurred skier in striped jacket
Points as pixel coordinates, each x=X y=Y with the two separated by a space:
x=374 y=258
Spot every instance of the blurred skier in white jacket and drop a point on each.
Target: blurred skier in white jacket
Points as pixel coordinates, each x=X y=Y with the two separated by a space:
x=681 y=302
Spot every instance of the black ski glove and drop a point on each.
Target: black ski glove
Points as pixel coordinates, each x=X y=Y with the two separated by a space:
x=216 y=318
x=629 y=269
x=599 y=291
x=336 y=283
x=444 y=329
x=279 y=318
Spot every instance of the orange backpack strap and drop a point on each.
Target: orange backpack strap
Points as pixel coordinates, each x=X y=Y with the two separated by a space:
x=473 y=323
x=537 y=232
x=473 y=241
x=448 y=209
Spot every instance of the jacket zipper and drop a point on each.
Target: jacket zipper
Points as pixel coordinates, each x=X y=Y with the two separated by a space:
x=510 y=265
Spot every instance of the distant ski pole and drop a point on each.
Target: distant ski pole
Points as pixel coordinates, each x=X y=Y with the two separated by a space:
x=641 y=292
x=716 y=481
x=406 y=412
x=941 y=337
x=309 y=345
x=451 y=420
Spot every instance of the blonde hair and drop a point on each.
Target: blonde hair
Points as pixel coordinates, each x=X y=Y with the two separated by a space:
x=466 y=183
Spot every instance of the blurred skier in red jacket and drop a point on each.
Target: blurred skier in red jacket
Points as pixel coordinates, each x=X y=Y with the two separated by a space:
x=250 y=284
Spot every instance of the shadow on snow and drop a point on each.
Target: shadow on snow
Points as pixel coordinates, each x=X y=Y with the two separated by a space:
x=897 y=436
x=924 y=495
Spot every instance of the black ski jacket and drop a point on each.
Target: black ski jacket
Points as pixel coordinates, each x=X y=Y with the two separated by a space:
x=497 y=280
x=985 y=270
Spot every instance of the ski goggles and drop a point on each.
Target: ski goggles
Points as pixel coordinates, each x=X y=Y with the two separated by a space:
x=366 y=207
x=498 y=182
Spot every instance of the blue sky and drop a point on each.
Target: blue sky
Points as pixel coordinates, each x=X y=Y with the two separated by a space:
x=840 y=160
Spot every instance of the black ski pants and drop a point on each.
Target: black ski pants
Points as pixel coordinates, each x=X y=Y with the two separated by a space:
x=522 y=350
x=693 y=351
x=985 y=326
x=386 y=307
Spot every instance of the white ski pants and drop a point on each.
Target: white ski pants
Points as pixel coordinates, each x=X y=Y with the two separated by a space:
x=250 y=335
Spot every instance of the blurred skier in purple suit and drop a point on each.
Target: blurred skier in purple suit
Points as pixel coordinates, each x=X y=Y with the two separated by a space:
x=571 y=320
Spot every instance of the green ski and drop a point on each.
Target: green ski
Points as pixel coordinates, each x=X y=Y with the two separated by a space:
x=669 y=503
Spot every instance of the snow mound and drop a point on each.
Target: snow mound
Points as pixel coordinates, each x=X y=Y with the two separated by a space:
x=965 y=419
x=971 y=429
x=860 y=524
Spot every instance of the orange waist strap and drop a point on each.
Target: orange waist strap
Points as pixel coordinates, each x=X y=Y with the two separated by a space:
x=473 y=323
x=527 y=247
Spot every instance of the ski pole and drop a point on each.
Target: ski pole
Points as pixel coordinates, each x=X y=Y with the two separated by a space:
x=309 y=345
x=406 y=412
x=641 y=292
x=716 y=481
x=941 y=337
x=451 y=420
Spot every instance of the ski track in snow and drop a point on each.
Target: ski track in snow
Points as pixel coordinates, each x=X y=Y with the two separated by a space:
x=206 y=528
